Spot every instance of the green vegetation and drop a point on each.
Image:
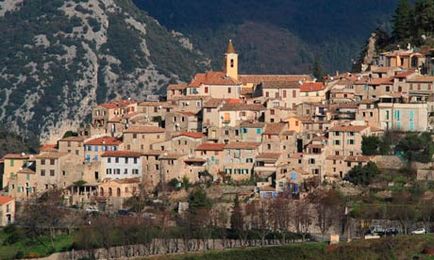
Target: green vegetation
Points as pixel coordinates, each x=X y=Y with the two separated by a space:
x=389 y=248
x=362 y=175
x=14 y=243
x=414 y=147
x=12 y=143
x=281 y=36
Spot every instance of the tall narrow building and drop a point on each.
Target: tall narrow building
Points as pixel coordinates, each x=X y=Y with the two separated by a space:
x=231 y=61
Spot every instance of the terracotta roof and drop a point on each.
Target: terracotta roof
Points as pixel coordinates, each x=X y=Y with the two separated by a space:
x=242 y=145
x=16 y=156
x=152 y=104
x=280 y=84
x=312 y=86
x=210 y=147
x=195 y=135
x=73 y=139
x=117 y=103
x=190 y=97
x=274 y=128
x=146 y=129
x=256 y=79
x=427 y=79
x=122 y=154
x=218 y=78
x=268 y=156
x=5 y=199
x=374 y=81
x=242 y=107
x=382 y=69
x=48 y=148
x=213 y=103
x=50 y=155
x=404 y=74
x=230 y=48
x=249 y=124
x=180 y=86
x=348 y=128
x=106 y=140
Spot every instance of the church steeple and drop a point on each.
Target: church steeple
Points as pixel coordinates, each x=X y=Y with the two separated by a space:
x=231 y=61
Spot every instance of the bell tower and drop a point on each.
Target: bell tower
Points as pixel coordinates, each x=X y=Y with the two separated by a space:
x=231 y=61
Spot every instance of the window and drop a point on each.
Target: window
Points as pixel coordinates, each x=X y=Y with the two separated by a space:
x=134 y=136
x=42 y=172
x=269 y=146
x=337 y=142
x=116 y=159
x=267 y=94
x=387 y=89
x=284 y=94
x=125 y=171
x=272 y=112
x=206 y=91
x=42 y=162
x=109 y=159
x=52 y=161
x=294 y=94
x=51 y=172
x=135 y=160
x=63 y=173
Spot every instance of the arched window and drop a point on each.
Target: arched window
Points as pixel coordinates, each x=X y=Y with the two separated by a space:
x=110 y=192
x=118 y=192
x=232 y=63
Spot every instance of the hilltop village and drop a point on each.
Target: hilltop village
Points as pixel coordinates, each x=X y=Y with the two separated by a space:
x=278 y=133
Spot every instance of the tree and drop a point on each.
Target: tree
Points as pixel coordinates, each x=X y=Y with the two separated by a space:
x=424 y=18
x=370 y=145
x=402 y=20
x=44 y=214
x=317 y=70
x=237 y=220
x=281 y=215
x=329 y=208
x=362 y=175
x=302 y=218
x=417 y=147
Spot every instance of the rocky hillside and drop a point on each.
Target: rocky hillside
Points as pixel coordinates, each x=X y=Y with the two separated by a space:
x=59 y=58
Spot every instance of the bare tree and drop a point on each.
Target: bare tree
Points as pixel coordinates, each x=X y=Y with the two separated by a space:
x=329 y=209
x=302 y=218
x=281 y=215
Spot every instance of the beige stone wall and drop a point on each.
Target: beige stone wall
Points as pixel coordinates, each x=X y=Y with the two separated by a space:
x=11 y=166
x=141 y=142
x=7 y=212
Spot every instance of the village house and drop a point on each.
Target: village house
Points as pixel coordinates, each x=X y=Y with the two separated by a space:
x=94 y=148
x=7 y=210
x=239 y=159
x=72 y=144
x=139 y=138
x=312 y=92
x=12 y=163
x=182 y=121
x=213 y=153
x=122 y=165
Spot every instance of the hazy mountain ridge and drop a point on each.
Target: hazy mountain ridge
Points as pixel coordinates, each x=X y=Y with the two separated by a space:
x=60 y=57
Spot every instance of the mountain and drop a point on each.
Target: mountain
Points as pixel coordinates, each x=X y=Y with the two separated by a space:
x=58 y=58
x=276 y=36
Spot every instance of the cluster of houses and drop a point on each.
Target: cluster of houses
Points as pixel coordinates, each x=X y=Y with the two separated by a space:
x=275 y=131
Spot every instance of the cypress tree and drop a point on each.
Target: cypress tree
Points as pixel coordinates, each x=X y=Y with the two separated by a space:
x=317 y=71
x=424 y=17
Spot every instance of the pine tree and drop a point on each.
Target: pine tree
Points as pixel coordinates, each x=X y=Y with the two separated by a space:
x=403 y=21
x=424 y=17
x=317 y=71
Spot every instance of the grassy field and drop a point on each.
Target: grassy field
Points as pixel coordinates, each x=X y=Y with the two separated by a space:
x=27 y=248
x=404 y=247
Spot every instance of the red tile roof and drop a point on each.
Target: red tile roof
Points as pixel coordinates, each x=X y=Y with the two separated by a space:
x=212 y=78
x=374 y=81
x=242 y=145
x=5 y=199
x=106 y=140
x=312 y=86
x=191 y=135
x=280 y=84
x=147 y=129
x=268 y=156
x=48 y=148
x=274 y=128
x=50 y=155
x=122 y=154
x=181 y=86
x=404 y=74
x=242 y=107
x=348 y=128
x=210 y=147
x=256 y=79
